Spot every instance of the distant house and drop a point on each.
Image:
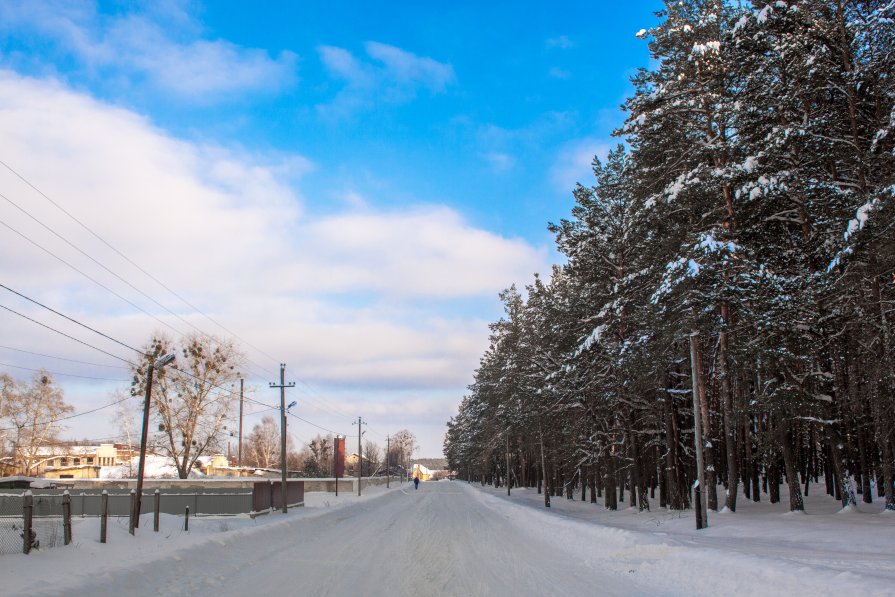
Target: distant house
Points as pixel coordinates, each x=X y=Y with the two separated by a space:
x=418 y=470
x=83 y=471
x=8 y=467
x=62 y=460
x=351 y=462
x=219 y=466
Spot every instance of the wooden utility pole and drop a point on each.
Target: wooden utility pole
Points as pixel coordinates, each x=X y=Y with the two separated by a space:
x=283 y=385
x=153 y=365
x=388 y=473
x=135 y=506
x=239 y=451
x=702 y=520
x=360 y=455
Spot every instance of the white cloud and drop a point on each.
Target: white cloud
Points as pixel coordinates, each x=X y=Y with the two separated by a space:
x=408 y=68
x=499 y=161
x=163 y=48
x=348 y=296
x=393 y=75
x=562 y=42
x=343 y=65
x=574 y=160
x=199 y=68
x=428 y=251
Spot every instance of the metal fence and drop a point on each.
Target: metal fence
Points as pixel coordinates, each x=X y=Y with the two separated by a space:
x=217 y=502
x=47 y=522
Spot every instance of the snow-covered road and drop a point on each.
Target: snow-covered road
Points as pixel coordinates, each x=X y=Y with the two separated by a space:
x=454 y=538
x=440 y=540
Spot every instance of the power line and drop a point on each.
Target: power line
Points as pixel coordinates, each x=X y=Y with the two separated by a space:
x=83 y=325
x=74 y=416
x=101 y=285
x=133 y=263
x=49 y=356
x=310 y=392
x=94 y=260
x=63 y=334
x=88 y=276
x=314 y=424
x=63 y=374
x=110 y=271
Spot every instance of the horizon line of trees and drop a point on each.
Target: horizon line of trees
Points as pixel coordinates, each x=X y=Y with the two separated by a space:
x=261 y=448
x=739 y=246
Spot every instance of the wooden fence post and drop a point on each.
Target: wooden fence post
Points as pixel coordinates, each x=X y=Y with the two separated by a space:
x=134 y=512
x=157 y=509
x=186 y=521
x=103 y=516
x=27 y=513
x=66 y=516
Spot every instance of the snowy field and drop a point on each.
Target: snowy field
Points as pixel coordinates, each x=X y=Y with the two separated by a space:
x=454 y=538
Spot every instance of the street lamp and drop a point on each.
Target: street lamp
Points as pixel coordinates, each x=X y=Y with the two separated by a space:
x=159 y=363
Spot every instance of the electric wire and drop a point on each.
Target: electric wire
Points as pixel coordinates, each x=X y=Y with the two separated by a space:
x=130 y=261
x=62 y=374
x=75 y=321
x=308 y=391
x=69 y=417
x=116 y=275
x=89 y=277
x=64 y=334
x=49 y=356
x=180 y=333
x=96 y=261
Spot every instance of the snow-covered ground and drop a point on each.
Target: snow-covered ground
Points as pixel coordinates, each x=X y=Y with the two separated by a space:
x=454 y=538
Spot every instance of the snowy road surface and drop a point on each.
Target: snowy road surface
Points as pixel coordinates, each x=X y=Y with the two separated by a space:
x=453 y=538
x=440 y=540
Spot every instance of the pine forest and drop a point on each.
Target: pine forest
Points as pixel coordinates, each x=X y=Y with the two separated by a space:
x=739 y=245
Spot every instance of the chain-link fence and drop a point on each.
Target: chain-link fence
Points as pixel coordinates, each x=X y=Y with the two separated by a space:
x=46 y=523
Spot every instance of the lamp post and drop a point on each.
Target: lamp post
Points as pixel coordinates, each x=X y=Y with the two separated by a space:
x=159 y=363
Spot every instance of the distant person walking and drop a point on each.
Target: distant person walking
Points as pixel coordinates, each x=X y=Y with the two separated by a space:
x=416 y=482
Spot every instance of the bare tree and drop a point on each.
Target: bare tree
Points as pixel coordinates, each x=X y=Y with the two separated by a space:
x=34 y=412
x=8 y=387
x=126 y=418
x=295 y=460
x=373 y=456
x=318 y=456
x=192 y=396
x=264 y=444
x=405 y=445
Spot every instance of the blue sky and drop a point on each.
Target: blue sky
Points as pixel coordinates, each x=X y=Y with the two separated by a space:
x=365 y=177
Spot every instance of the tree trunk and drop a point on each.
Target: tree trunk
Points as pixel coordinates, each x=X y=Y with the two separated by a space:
x=796 y=503
x=610 y=500
x=543 y=468
x=592 y=481
x=729 y=416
